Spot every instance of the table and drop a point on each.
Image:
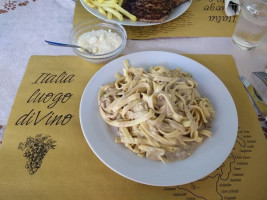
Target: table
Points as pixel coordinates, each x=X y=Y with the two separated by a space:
x=26 y=24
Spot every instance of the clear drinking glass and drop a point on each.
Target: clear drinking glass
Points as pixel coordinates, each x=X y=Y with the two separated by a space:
x=251 y=25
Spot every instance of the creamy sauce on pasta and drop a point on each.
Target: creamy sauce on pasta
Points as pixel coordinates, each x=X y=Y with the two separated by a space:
x=159 y=114
x=182 y=153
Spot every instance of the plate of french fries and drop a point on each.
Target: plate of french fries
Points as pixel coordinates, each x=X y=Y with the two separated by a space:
x=112 y=10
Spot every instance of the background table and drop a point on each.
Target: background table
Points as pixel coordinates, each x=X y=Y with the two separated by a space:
x=25 y=24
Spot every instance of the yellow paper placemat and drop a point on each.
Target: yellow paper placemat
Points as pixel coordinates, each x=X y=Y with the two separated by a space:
x=45 y=156
x=204 y=18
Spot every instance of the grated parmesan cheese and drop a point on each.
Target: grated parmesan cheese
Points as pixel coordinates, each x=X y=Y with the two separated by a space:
x=100 y=41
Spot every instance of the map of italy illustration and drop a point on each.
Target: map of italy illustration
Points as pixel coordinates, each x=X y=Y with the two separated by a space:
x=223 y=182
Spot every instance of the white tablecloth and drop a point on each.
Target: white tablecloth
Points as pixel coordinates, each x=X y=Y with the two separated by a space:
x=25 y=24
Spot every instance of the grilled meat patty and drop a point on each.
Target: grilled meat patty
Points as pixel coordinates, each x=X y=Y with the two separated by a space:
x=152 y=11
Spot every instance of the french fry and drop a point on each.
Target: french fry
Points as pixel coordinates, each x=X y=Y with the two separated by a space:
x=106 y=4
x=89 y=3
x=120 y=2
x=109 y=15
x=101 y=10
x=112 y=1
x=114 y=12
x=125 y=12
x=110 y=8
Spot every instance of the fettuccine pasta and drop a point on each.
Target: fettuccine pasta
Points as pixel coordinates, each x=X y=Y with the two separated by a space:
x=159 y=114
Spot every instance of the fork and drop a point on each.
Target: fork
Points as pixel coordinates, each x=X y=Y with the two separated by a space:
x=262 y=76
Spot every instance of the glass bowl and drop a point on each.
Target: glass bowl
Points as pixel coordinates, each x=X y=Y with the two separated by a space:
x=90 y=25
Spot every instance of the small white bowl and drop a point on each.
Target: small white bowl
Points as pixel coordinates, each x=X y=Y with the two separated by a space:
x=90 y=25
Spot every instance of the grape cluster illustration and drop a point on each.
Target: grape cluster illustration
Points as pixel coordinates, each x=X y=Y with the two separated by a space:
x=35 y=149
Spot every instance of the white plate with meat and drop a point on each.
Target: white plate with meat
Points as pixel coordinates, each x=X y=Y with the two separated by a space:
x=176 y=12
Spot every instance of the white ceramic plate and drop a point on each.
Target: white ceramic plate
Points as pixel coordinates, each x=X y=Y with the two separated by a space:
x=209 y=156
x=178 y=11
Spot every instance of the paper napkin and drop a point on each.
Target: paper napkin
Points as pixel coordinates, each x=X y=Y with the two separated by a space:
x=232 y=7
